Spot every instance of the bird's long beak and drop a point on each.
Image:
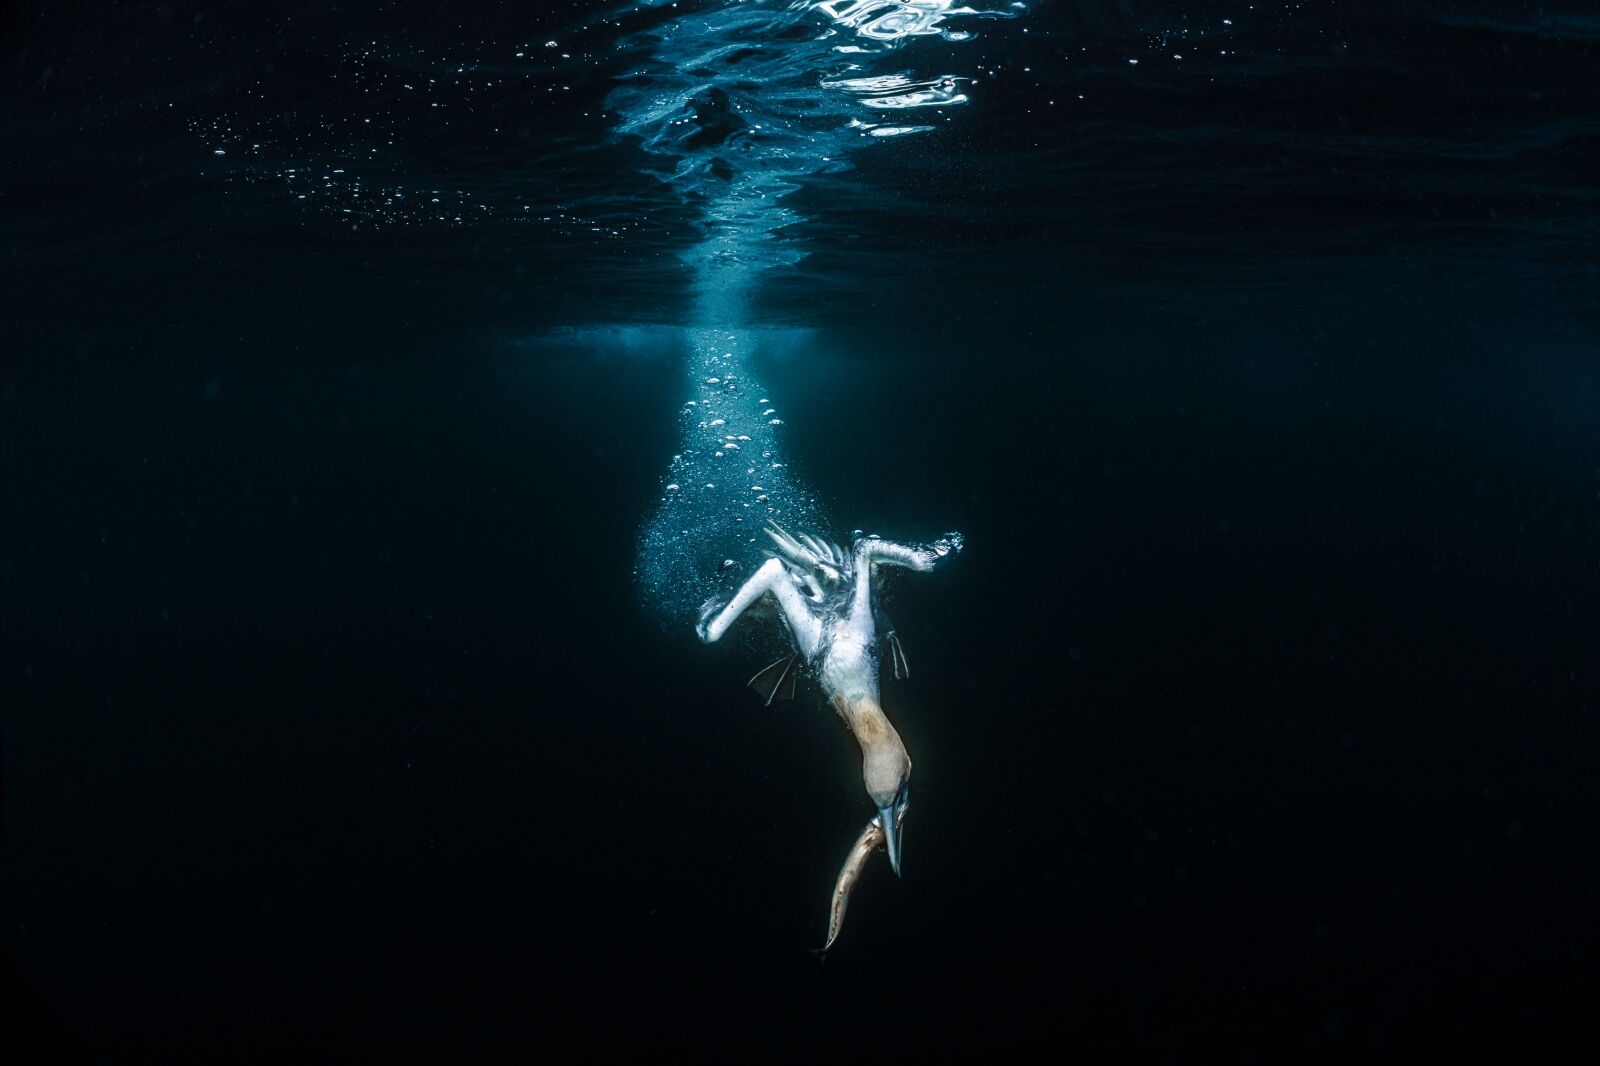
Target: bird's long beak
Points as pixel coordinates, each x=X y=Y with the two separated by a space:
x=891 y=836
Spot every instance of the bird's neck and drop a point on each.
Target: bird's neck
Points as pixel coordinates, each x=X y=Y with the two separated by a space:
x=865 y=717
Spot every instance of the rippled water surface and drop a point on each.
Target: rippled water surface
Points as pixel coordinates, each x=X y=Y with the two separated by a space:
x=383 y=390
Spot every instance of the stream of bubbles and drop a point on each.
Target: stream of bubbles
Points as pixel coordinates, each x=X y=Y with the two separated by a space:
x=738 y=101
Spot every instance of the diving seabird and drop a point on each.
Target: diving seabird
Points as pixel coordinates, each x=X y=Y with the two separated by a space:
x=825 y=595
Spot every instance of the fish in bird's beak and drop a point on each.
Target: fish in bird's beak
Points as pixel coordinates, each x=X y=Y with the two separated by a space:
x=871 y=840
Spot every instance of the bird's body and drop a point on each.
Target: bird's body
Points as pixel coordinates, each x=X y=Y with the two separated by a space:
x=824 y=595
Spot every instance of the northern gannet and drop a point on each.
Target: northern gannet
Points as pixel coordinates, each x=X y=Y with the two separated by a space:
x=825 y=596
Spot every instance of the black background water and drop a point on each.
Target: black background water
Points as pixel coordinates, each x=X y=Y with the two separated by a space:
x=1259 y=716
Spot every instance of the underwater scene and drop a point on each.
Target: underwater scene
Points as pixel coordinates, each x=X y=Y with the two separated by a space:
x=635 y=530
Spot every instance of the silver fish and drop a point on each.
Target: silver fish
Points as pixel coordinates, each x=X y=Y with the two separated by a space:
x=870 y=840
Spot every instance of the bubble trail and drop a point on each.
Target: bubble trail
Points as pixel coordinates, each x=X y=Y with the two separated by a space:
x=726 y=480
x=740 y=100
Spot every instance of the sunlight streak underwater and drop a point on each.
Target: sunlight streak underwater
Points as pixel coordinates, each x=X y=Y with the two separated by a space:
x=739 y=100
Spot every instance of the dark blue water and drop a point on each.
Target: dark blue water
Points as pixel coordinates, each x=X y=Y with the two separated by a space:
x=343 y=717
